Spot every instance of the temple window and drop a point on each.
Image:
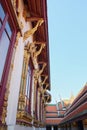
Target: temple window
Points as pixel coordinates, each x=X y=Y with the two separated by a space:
x=28 y=85
x=5 y=38
x=2 y=13
x=8 y=31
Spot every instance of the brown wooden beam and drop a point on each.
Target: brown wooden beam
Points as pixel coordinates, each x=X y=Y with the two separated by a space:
x=33 y=19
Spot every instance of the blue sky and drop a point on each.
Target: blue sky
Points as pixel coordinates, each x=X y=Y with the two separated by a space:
x=67 y=22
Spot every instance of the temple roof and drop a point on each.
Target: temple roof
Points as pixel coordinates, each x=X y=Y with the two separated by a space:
x=51 y=108
x=78 y=109
x=53 y=121
x=56 y=113
x=52 y=115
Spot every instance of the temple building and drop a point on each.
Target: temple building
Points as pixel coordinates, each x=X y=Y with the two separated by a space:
x=55 y=112
x=68 y=114
x=25 y=73
x=24 y=64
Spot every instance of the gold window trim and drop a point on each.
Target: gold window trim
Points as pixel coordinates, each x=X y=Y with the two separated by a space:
x=22 y=115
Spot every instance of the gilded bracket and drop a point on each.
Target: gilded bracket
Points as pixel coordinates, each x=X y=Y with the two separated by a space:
x=33 y=30
x=44 y=90
x=43 y=82
x=33 y=48
x=38 y=72
x=39 y=51
x=44 y=65
x=25 y=12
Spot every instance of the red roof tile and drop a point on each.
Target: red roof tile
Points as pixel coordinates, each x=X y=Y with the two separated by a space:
x=51 y=114
x=53 y=121
x=51 y=108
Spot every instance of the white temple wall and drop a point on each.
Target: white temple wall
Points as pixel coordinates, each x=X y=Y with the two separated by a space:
x=16 y=73
x=15 y=84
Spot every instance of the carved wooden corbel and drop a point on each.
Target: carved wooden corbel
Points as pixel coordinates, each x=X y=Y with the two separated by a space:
x=33 y=48
x=25 y=12
x=33 y=30
x=44 y=65
x=38 y=72
x=44 y=90
x=47 y=84
x=43 y=82
x=33 y=19
x=27 y=47
x=39 y=51
x=48 y=97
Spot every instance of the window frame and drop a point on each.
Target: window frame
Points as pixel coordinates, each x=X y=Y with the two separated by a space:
x=9 y=17
x=22 y=113
x=30 y=65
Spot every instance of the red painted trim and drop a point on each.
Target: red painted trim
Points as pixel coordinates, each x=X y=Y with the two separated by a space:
x=74 y=106
x=3 y=25
x=10 y=14
x=75 y=112
x=47 y=37
x=80 y=95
